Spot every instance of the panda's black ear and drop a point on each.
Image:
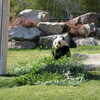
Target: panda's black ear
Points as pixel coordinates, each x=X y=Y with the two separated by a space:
x=63 y=38
x=55 y=37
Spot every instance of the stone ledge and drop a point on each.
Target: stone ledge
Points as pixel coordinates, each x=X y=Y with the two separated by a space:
x=90 y=61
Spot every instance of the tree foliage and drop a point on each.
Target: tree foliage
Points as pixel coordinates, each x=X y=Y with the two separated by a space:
x=48 y=5
x=51 y=6
x=57 y=8
x=90 y=5
x=18 y=5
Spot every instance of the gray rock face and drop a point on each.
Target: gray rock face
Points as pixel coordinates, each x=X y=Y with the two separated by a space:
x=90 y=61
x=85 y=41
x=35 y=15
x=23 y=33
x=51 y=28
x=87 y=18
x=21 y=45
x=47 y=41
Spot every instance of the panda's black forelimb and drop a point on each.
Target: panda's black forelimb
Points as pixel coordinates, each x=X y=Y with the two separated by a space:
x=59 y=52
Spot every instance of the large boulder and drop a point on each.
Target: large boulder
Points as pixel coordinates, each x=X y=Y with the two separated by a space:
x=51 y=28
x=87 y=18
x=23 y=33
x=47 y=41
x=35 y=15
x=20 y=44
x=86 y=41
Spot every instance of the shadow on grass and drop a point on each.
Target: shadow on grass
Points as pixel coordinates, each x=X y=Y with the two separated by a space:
x=95 y=75
x=9 y=75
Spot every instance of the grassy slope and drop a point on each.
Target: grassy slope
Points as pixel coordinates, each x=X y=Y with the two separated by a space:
x=86 y=50
x=86 y=91
x=24 y=56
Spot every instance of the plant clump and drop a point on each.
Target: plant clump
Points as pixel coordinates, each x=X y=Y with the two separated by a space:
x=75 y=29
x=22 y=22
x=65 y=71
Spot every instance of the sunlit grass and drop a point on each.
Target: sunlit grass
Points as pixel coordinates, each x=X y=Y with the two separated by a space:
x=86 y=91
x=26 y=56
x=86 y=49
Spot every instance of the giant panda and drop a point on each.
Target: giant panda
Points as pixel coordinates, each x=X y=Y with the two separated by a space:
x=60 y=48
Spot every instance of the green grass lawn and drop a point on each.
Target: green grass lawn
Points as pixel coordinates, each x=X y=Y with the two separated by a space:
x=86 y=91
x=25 y=56
x=89 y=90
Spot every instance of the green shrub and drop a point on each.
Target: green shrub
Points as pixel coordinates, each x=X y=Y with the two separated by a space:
x=49 y=71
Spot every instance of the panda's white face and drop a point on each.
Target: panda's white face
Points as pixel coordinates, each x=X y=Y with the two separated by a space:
x=59 y=42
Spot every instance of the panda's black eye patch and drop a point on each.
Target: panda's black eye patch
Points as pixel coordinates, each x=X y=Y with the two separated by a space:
x=59 y=42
